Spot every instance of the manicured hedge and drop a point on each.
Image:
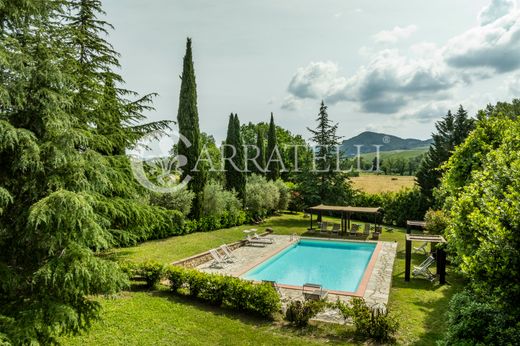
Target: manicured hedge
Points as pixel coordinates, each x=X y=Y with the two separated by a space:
x=261 y=299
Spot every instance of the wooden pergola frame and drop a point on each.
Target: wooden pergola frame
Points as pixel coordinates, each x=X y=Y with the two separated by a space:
x=346 y=212
x=440 y=254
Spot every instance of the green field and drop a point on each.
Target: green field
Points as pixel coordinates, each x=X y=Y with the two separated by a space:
x=396 y=154
x=158 y=318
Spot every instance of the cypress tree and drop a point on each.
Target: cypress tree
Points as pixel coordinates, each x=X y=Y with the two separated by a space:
x=240 y=175
x=188 y=121
x=229 y=153
x=273 y=169
x=260 y=160
x=452 y=130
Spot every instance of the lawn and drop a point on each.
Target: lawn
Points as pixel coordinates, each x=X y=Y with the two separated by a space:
x=372 y=183
x=157 y=318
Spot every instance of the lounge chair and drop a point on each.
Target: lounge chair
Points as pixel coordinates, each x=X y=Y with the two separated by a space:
x=313 y=292
x=423 y=269
x=421 y=248
x=366 y=230
x=354 y=229
x=252 y=241
x=218 y=261
x=336 y=228
x=323 y=227
x=269 y=240
x=377 y=232
x=228 y=255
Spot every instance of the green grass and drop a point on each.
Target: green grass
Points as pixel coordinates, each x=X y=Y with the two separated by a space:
x=396 y=154
x=158 y=318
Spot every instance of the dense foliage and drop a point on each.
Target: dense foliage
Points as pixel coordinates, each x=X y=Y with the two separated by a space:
x=265 y=197
x=234 y=158
x=180 y=199
x=406 y=204
x=299 y=313
x=452 y=130
x=261 y=299
x=188 y=121
x=374 y=323
x=481 y=191
x=66 y=189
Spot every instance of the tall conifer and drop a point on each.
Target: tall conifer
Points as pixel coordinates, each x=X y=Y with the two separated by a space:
x=240 y=175
x=273 y=168
x=260 y=160
x=188 y=121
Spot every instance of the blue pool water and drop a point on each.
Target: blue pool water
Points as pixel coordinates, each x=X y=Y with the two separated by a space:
x=338 y=266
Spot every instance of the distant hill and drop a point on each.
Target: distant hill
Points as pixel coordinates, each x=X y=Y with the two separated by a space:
x=388 y=143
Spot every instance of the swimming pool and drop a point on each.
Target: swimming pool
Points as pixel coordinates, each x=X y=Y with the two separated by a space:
x=338 y=266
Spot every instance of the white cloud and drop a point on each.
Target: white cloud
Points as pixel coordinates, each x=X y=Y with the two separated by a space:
x=385 y=85
x=495 y=10
x=394 y=35
x=513 y=85
x=495 y=46
x=291 y=103
x=317 y=80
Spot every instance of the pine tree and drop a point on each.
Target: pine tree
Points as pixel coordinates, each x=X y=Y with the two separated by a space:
x=273 y=168
x=451 y=131
x=188 y=121
x=260 y=160
x=65 y=193
x=326 y=183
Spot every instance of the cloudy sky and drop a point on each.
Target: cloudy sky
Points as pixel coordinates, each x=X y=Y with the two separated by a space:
x=386 y=66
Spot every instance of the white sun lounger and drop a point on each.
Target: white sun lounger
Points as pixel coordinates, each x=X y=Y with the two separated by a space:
x=228 y=255
x=218 y=261
x=421 y=248
x=266 y=239
x=423 y=269
x=251 y=241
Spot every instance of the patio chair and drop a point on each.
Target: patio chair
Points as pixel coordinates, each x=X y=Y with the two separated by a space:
x=354 y=229
x=228 y=255
x=218 y=261
x=423 y=269
x=314 y=292
x=323 y=227
x=421 y=248
x=251 y=241
x=366 y=230
x=266 y=239
x=336 y=228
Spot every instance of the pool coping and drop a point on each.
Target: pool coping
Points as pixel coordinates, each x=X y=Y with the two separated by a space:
x=363 y=283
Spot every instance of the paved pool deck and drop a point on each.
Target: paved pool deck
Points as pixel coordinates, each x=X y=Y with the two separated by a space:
x=375 y=290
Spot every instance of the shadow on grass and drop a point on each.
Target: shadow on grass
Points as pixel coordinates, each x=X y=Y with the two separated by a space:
x=332 y=334
x=435 y=322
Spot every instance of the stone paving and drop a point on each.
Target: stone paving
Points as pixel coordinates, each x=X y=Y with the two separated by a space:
x=376 y=293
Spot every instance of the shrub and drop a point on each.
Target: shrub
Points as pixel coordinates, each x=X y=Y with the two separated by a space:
x=218 y=201
x=473 y=320
x=180 y=200
x=377 y=324
x=299 y=313
x=152 y=272
x=436 y=221
x=407 y=204
x=262 y=196
x=284 y=193
x=260 y=299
